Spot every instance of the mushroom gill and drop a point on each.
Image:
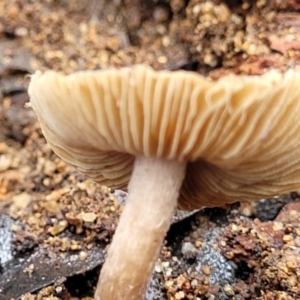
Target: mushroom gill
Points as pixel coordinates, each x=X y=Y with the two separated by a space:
x=170 y=135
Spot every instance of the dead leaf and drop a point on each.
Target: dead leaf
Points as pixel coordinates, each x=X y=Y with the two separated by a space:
x=282 y=45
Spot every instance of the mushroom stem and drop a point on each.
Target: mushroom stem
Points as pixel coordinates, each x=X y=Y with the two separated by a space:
x=153 y=191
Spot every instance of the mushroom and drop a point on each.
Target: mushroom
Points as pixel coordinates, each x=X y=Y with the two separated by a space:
x=169 y=136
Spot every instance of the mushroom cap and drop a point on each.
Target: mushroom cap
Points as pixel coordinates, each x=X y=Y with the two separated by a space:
x=240 y=135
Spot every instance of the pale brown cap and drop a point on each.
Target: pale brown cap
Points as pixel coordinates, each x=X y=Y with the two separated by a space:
x=240 y=134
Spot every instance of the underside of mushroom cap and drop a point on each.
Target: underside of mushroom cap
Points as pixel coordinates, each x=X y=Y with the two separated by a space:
x=240 y=134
